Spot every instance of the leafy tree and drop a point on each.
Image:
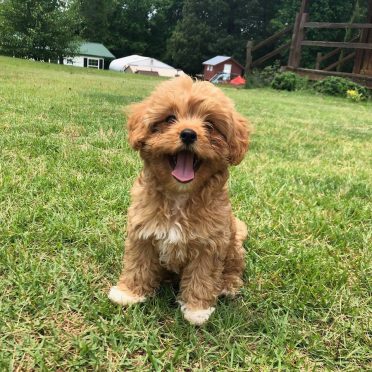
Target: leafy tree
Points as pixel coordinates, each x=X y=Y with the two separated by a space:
x=181 y=32
x=209 y=28
x=200 y=34
x=40 y=29
x=191 y=40
x=129 y=27
x=247 y=20
x=95 y=18
x=163 y=17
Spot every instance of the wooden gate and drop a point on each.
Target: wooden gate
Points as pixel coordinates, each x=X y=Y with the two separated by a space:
x=362 y=71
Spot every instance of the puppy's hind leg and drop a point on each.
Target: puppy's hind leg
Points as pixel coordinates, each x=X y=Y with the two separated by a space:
x=141 y=275
x=234 y=263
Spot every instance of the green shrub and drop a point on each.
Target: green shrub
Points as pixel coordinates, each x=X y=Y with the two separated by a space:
x=337 y=86
x=260 y=78
x=254 y=81
x=288 y=81
x=268 y=73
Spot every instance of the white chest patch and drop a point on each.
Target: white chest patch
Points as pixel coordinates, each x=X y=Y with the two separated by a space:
x=170 y=241
x=167 y=234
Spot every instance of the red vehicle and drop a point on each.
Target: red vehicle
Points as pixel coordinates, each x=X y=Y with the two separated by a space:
x=226 y=78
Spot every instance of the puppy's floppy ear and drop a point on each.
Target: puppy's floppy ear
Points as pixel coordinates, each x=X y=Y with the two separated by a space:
x=239 y=138
x=137 y=130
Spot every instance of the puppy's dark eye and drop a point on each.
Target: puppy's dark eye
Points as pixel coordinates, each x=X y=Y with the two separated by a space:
x=171 y=119
x=155 y=128
x=209 y=125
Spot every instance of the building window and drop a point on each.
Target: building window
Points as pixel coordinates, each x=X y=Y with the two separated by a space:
x=209 y=68
x=93 y=63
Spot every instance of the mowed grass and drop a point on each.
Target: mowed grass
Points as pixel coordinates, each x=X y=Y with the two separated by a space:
x=66 y=169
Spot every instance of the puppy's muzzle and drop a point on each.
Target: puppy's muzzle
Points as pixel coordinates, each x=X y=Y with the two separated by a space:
x=188 y=136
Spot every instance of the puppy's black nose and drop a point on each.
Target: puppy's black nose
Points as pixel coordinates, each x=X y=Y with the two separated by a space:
x=188 y=136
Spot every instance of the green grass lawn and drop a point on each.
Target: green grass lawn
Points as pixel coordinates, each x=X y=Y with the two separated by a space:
x=304 y=191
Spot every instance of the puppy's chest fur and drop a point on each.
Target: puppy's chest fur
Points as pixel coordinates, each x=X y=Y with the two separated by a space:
x=172 y=246
x=177 y=231
x=170 y=234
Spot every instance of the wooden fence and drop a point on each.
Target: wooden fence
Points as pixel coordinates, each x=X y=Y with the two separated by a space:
x=251 y=49
x=298 y=41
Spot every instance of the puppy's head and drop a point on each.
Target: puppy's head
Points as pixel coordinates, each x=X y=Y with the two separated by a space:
x=187 y=132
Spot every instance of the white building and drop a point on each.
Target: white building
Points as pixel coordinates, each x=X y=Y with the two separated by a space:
x=90 y=55
x=144 y=65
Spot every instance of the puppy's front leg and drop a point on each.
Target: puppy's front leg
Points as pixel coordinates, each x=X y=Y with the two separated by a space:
x=141 y=275
x=200 y=287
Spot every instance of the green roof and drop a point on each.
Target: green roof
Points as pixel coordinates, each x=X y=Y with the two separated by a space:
x=95 y=50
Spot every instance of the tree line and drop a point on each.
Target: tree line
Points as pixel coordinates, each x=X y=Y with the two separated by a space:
x=183 y=33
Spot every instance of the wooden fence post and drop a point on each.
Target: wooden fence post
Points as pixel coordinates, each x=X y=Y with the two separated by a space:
x=294 y=41
x=318 y=60
x=358 y=61
x=304 y=6
x=300 y=38
x=298 y=35
x=248 y=58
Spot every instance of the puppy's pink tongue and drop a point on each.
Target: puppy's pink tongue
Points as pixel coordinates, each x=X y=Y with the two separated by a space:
x=184 y=169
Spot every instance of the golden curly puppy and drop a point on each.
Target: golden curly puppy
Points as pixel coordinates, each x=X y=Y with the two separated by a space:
x=180 y=219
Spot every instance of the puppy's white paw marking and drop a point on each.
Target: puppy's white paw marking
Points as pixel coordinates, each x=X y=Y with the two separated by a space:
x=196 y=317
x=227 y=293
x=123 y=297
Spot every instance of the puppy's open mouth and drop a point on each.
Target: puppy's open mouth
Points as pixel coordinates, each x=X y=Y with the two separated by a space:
x=184 y=164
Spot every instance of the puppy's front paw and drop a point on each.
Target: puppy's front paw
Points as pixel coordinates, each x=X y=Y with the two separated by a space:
x=124 y=297
x=229 y=292
x=196 y=316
